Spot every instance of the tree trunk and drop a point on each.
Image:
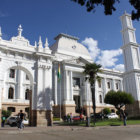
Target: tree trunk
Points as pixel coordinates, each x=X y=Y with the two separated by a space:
x=94 y=103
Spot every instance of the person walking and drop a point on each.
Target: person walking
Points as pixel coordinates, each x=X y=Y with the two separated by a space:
x=124 y=118
x=21 y=118
x=3 y=121
x=70 y=117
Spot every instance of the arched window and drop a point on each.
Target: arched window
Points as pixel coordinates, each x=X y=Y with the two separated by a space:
x=12 y=73
x=100 y=98
x=11 y=93
x=27 y=94
x=99 y=84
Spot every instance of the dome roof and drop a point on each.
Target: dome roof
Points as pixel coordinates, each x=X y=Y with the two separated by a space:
x=66 y=44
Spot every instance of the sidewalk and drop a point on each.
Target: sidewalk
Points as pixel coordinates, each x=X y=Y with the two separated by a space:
x=29 y=130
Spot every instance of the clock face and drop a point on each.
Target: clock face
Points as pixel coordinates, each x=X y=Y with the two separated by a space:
x=74 y=47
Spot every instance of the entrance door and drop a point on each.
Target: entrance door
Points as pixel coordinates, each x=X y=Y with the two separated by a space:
x=77 y=103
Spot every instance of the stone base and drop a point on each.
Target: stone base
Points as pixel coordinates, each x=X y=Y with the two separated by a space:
x=68 y=109
x=65 y=109
x=41 y=118
x=17 y=106
x=134 y=109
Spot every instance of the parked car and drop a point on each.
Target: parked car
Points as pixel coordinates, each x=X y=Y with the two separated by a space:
x=77 y=118
x=98 y=115
x=112 y=116
x=12 y=121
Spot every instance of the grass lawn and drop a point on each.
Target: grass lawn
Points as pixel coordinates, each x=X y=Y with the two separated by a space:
x=109 y=122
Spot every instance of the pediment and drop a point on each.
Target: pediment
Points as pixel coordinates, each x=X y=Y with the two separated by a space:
x=76 y=61
x=20 y=40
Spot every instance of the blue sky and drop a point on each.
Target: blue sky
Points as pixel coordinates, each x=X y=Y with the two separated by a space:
x=51 y=17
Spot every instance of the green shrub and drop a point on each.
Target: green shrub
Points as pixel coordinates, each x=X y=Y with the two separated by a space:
x=6 y=113
x=118 y=112
x=106 y=111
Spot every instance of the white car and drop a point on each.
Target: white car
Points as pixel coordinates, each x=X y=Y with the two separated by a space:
x=12 y=121
x=112 y=116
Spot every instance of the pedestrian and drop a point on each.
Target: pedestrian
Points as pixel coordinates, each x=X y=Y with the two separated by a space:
x=81 y=117
x=124 y=118
x=3 y=121
x=21 y=118
x=70 y=117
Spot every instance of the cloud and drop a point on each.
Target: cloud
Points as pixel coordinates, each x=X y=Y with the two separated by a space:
x=107 y=58
x=92 y=46
x=3 y=14
x=119 y=67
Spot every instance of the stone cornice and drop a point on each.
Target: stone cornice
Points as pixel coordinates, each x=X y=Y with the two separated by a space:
x=130 y=43
x=132 y=71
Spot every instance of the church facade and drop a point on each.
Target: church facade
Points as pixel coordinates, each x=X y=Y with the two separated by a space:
x=29 y=76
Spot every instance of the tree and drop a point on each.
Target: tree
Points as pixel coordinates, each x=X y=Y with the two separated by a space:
x=118 y=99
x=6 y=113
x=106 y=111
x=109 y=6
x=91 y=70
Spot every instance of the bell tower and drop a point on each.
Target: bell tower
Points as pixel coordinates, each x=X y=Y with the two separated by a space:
x=132 y=63
x=130 y=46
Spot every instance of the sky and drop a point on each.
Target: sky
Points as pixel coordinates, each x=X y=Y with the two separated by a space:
x=47 y=18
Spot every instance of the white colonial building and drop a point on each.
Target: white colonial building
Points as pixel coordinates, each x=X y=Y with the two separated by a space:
x=29 y=81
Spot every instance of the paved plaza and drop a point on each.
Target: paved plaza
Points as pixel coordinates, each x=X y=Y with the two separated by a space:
x=131 y=132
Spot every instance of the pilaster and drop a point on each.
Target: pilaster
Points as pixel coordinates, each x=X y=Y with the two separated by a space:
x=71 y=86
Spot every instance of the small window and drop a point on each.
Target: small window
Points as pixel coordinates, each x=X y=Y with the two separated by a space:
x=27 y=94
x=27 y=78
x=100 y=98
x=99 y=84
x=11 y=93
x=76 y=82
x=117 y=86
x=108 y=85
x=12 y=73
x=12 y=109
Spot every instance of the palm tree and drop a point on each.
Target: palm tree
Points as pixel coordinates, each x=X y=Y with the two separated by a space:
x=91 y=70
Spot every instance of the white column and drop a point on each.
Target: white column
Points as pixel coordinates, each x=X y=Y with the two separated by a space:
x=71 y=86
x=121 y=85
x=1 y=94
x=113 y=85
x=96 y=92
x=105 y=88
x=66 y=93
x=39 y=88
x=20 y=93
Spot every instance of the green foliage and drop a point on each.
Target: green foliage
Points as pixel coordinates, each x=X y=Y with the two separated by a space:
x=91 y=70
x=118 y=98
x=56 y=119
x=6 y=113
x=106 y=111
x=118 y=112
x=109 y=6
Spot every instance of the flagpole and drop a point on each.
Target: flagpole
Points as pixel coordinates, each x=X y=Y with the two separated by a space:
x=60 y=99
x=59 y=80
